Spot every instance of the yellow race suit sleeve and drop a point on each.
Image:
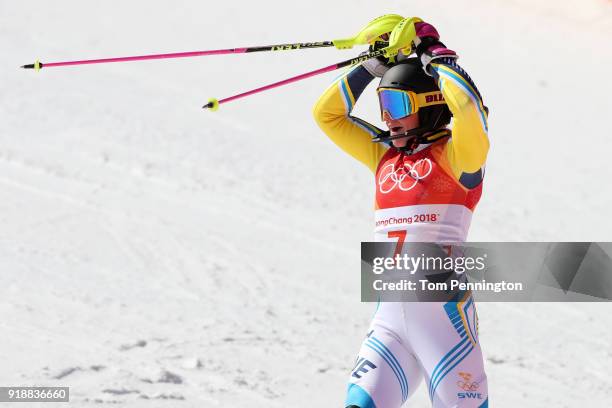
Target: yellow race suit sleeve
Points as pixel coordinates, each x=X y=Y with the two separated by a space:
x=332 y=113
x=467 y=150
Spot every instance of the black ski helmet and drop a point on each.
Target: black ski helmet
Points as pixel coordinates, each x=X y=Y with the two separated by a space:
x=410 y=76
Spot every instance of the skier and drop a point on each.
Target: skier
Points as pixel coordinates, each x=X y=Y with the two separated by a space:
x=421 y=166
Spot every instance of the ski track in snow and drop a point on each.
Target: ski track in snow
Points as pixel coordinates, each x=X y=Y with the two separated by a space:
x=156 y=255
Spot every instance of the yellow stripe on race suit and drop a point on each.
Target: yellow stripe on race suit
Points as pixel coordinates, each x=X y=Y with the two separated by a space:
x=464 y=318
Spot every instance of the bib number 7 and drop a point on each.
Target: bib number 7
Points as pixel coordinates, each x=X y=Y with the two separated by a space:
x=401 y=238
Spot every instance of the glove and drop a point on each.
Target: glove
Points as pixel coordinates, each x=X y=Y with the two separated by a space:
x=376 y=66
x=428 y=45
x=379 y=65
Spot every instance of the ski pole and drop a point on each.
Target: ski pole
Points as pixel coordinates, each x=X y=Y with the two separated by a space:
x=278 y=47
x=367 y=35
x=401 y=38
x=213 y=103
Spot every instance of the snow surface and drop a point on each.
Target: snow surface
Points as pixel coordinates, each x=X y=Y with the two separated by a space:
x=153 y=254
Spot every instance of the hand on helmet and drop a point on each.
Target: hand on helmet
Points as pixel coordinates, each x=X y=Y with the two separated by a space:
x=379 y=65
x=376 y=66
x=428 y=45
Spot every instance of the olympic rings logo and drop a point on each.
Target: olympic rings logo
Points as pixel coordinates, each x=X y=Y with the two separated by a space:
x=468 y=386
x=405 y=177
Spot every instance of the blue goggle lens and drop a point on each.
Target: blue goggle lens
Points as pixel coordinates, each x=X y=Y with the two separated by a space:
x=395 y=102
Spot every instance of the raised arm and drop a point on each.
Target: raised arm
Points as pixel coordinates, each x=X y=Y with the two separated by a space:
x=333 y=115
x=468 y=148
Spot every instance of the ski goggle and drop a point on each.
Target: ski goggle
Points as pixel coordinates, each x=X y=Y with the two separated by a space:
x=399 y=103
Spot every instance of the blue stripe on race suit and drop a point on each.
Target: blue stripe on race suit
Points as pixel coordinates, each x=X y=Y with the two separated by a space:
x=451 y=62
x=450 y=356
x=343 y=72
x=399 y=367
x=390 y=363
x=469 y=347
x=370 y=126
x=362 y=125
x=346 y=96
x=452 y=310
x=485 y=404
x=357 y=396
